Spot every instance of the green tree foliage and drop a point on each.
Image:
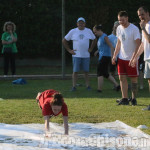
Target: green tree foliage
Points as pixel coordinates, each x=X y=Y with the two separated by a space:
x=39 y=21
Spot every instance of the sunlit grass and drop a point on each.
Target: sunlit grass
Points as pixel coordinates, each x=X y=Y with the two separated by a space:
x=19 y=105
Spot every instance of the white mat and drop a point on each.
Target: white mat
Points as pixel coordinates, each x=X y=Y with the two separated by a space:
x=82 y=136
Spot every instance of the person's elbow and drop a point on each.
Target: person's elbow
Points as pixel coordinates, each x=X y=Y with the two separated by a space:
x=95 y=40
x=63 y=40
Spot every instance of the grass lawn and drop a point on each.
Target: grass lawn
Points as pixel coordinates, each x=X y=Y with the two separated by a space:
x=19 y=106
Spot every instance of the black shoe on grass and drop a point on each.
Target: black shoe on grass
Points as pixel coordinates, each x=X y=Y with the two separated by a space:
x=123 y=101
x=73 y=89
x=133 y=102
x=99 y=91
x=118 y=100
x=130 y=99
x=117 y=88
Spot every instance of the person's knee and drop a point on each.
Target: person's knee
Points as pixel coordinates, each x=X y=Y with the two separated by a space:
x=74 y=75
x=122 y=78
x=134 y=79
x=149 y=82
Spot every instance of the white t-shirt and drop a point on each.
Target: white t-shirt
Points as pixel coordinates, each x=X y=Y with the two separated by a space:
x=80 y=40
x=146 y=43
x=127 y=36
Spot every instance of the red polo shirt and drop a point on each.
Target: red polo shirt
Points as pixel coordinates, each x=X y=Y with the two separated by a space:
x=45 y=99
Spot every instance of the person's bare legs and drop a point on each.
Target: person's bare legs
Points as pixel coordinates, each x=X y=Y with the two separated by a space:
x=100 y=82
x=74 y=78
x=141 y=75
x=86 y=75
x=149 y=84
x=112 y=79
x=124 y=85
x=134 y=87
x=46 y=118
x=47 y=127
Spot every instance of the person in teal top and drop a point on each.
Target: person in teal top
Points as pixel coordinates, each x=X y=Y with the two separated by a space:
x=113 y=39
x=9 y=49
x=103 y=47
x=105 y=50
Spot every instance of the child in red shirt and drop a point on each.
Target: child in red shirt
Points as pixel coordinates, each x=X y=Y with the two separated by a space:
x=52 y=104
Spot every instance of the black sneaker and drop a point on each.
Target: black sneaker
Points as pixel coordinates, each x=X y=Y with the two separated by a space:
x=117 y=88
x=73 y=89
x=133 y=102
x=118 y=100
x=99 y=91
x=88 y=88
x=123 y=101
x=130 y=99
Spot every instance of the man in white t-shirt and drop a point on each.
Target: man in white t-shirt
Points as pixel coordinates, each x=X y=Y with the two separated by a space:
x=81 y=37
x=127 y=45
x=144 y=16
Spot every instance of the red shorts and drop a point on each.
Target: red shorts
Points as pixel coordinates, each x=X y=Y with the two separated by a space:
x=124 y=68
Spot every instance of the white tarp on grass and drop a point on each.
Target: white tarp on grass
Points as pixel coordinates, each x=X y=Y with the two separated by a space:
x=82 y=136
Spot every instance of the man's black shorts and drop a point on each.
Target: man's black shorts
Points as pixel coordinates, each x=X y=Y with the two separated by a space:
x=103 y=65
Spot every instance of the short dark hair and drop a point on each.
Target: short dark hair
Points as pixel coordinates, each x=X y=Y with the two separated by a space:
x=144 y=8
x=98 y=27
x=57 y=99
x=123 y=14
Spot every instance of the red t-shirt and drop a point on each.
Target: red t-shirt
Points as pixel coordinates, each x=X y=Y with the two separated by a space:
x=45 y=99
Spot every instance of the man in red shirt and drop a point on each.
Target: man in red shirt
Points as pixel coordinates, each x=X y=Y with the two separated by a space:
x=52 y=104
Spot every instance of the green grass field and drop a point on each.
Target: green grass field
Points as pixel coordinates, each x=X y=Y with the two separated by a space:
x=19 y=106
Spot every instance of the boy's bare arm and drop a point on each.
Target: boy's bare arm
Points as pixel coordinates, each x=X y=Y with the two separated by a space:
x=66 y=124
x=46 y=118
